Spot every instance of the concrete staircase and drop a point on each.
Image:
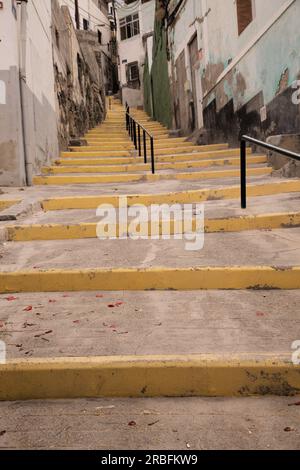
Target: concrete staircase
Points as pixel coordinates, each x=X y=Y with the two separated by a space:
x=119 y=319
x=110 y=157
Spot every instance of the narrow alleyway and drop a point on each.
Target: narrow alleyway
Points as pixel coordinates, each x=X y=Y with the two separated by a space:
x=121 y=318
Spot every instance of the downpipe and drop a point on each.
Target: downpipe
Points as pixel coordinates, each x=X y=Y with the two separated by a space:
x=23 y=90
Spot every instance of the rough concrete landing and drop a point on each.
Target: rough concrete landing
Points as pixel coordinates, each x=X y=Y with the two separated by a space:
x=276 y=248
x=213 y=209
x=149 y=323
x=158 y=424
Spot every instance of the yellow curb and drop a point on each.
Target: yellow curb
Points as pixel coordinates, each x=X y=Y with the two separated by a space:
x=25 y=233
x=148 y=376
x=184 y=197
x=159 y=151
x=110 y=153
x=139 y=279
x=5 y=204
x=120 y=178
x=142 y=167
x=159 y=159
x=108 y=141
x=96 y=146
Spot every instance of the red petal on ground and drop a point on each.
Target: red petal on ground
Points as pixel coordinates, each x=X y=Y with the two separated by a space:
x=28 y=309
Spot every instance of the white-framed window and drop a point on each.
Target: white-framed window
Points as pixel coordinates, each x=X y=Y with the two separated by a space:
x=129 y=26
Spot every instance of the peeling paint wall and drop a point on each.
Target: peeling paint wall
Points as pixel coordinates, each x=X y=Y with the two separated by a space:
x=243 y=74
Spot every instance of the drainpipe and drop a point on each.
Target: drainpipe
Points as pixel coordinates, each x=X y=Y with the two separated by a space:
x=23 y=91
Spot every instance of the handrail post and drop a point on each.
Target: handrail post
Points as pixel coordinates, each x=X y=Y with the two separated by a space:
x=139 y=138
x=243 y=174
x=134 y=134
x=152 y=156
x=145 y=146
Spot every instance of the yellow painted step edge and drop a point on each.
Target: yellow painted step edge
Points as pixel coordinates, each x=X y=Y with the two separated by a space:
x=5 y=204
x=61 y=169
x=202 y=195
x=159 y=278
x=115 y=178
x=149 y=376
x=21 y=233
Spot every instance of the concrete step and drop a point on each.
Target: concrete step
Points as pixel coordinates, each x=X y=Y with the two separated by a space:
x=113 y=146
x=77 y=168
x=169 y=140
x=160 y=423
x=61 y=230
x=153 y=323
x=167 y=192
x=131 y=177
x=230 y=209
x=74 y=159
x=225 y=260
x=102 y=153
x=158 y=152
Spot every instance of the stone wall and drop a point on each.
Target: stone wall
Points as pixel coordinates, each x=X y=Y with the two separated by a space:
x=79 y=81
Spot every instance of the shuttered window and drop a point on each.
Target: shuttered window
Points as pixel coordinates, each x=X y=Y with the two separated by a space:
x=244 y=14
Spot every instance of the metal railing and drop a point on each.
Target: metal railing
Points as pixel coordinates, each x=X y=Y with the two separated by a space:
x=134 y=130
x=244 y=140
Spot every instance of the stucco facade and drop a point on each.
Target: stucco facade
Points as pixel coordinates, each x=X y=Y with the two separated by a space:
x=134 y=49
x=28 y=135
x=52 y=86
x=228 y=76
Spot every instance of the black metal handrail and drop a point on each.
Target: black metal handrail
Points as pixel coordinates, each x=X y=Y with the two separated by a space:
x=134 y=130
x=244 y=140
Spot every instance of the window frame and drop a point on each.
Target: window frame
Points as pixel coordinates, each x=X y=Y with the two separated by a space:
x=129 y=26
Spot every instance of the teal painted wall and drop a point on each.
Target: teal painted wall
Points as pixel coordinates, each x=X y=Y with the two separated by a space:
x=147 y=88
x=162 y=111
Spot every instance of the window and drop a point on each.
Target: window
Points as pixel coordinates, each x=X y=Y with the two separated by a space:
x=133 y=74
x=99 y=37
x=129 y=26
x=244 y=14
x=86 y=24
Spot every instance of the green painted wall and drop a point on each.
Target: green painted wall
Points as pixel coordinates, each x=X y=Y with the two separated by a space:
x=160 y=78
x=147 y=88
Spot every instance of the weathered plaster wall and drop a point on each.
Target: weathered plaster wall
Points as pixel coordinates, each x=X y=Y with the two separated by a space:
x=28 y=136
x=79 y=83
x=134 y=49
x=12 y=168
x=40 y=128
x=182 y=31
x=242 y=74
x=98 y=21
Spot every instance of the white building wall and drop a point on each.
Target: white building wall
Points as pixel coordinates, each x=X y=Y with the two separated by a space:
x=89 y=10
x=12 y=167
x=134 y=49
x=181 y=34
x=39 y=100
x=28 y=131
